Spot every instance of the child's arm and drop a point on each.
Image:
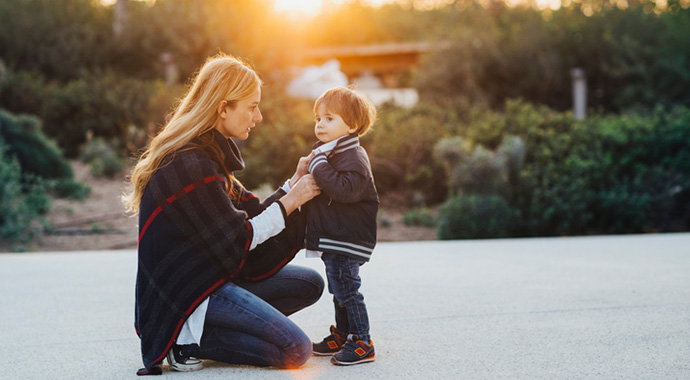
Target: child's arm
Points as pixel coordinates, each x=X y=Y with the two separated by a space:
x=347 y=186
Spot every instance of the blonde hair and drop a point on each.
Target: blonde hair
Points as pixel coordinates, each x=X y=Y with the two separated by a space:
x=354 y=108
x=221 y=78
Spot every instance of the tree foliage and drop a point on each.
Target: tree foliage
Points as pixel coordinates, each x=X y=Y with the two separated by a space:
x=633 y=58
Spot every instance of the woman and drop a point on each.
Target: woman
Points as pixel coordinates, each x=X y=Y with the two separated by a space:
x=212 y=281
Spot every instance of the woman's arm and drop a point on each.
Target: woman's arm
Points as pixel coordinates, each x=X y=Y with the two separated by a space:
x=253 y=206
x=300 y=193
x=272 y=220
x=267 y=225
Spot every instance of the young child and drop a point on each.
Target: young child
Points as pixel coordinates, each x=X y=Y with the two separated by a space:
x=341 y=221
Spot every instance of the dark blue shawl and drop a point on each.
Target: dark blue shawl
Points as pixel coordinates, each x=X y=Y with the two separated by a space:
x=193 y=238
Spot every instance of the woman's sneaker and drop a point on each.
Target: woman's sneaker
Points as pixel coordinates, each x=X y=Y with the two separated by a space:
x=355 y=351
x=330 y=344
x=182 y=363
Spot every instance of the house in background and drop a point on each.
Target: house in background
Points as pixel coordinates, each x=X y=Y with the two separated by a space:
x=379 y=71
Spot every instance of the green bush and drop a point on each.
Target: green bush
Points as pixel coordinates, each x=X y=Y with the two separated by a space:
x=400 y=147
x=452 y=152
x=22 y=92
x=383 y=219
x=68 y=188
x=14 y=218
x=102 y=159
x=477 y=217
x=480 y=170
x=19 y=205
x=35 y=194
x=650 y=156
x=103 y=104
x=419 y=217
x=608 y=174
x=36 y=154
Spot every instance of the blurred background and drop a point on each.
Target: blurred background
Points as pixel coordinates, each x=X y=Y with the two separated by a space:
x=508 y=118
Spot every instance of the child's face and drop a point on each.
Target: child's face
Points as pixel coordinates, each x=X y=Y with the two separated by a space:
x=330 y=126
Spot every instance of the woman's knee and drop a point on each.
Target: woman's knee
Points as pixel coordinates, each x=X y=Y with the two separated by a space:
x=318 y=284
x=312 y=283
x=301 y=352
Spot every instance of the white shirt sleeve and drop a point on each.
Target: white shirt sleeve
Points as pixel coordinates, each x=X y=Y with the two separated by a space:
x=286 y=186
x=267 y=224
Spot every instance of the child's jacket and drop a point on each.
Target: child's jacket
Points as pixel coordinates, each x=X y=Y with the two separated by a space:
x=342 y=219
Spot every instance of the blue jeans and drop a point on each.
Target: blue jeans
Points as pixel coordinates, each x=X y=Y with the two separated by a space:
x=343 y=282
x=247 y=323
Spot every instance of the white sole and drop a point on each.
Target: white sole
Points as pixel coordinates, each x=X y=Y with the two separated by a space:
x=314 y=353
x=187 y=367
x=336 y=362
x=183 y=367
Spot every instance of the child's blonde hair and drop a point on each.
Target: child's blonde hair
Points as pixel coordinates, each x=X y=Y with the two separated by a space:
x=221 y=78
x=354 y=108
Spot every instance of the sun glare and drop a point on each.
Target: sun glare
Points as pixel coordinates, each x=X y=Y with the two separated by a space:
x=310 y=7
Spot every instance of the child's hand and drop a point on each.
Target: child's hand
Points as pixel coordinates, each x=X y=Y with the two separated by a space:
x=301 y=168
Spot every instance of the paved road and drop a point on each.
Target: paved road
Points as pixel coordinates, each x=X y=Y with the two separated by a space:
x=614 y=307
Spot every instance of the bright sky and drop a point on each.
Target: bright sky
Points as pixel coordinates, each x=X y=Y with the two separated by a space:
x=313 y=7
x=299 y=6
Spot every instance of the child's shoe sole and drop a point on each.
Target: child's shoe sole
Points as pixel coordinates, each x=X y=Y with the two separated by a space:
x=314 y=353
x=362 y=361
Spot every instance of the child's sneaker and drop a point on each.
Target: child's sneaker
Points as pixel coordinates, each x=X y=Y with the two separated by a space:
x=330 y=344
x=355 y=351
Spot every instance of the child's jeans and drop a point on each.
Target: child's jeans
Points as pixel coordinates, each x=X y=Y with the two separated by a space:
x=344 y=282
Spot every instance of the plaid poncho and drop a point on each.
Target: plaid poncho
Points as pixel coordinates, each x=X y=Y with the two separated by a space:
x=193 y=239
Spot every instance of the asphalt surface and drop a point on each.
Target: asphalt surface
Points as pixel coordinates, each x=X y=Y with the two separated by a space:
x=611 y=307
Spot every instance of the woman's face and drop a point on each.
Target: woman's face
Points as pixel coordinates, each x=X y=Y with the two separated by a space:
x=237 y=122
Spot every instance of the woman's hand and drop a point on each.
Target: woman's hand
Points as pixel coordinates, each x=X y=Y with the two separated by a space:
x=301 y=169
x=300 y=193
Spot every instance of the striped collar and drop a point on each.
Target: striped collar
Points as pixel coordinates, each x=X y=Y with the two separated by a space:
x=342 y=144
